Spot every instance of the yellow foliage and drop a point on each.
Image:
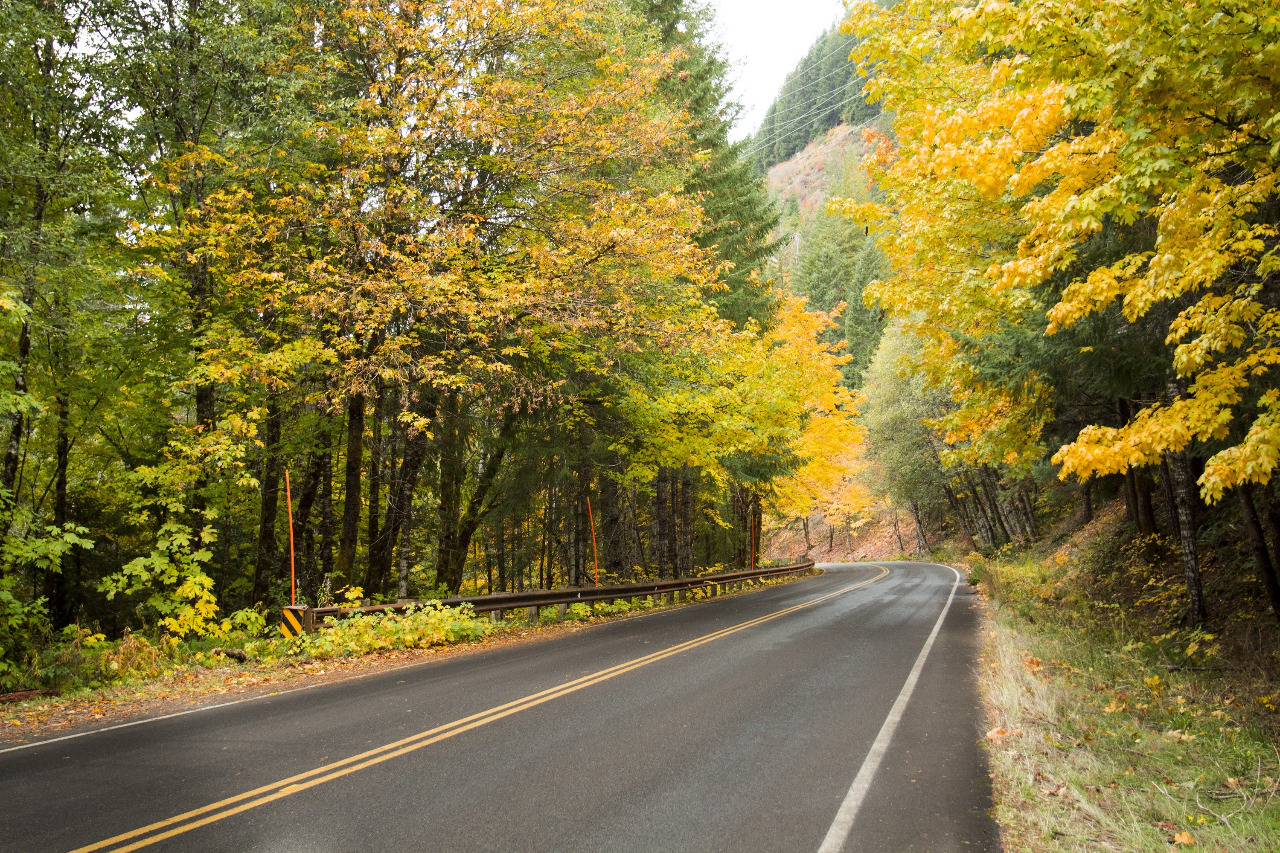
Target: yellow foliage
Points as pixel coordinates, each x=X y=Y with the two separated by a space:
x=1026 y=128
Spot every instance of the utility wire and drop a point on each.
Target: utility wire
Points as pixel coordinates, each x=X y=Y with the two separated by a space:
x=776 y=131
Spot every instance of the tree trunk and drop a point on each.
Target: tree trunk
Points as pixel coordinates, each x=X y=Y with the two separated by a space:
x=268 y=550
x=684 y=556
x=1130 y=484
x=316 y=467
x=372 y=580
x=1171 y=503
x=1184 y=496
x=501 y=555
x=922 y=539
x=402 y=585
x=18 y=425
x=459 y=523
x=399 y=505
x=56 y=588
x=449 y=560
x=326 y=516
x=1146 y=513
x=1258 y=544
x=1088 y=500
x=902 y=548
x=986 y=479
x=740 y=501
x=1131 y=499
x=1271 y=523
x=345 y=567
x=962 y=516
x=757 y=529
x=983 y=515
x=1028 y=510
x=663 y=540
x=200 y=286
x=611 y=532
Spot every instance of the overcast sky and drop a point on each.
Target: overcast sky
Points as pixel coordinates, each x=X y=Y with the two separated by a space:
x=765 y=39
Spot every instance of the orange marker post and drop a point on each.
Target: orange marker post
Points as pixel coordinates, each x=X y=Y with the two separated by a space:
x=293 y=578
x=595 y=555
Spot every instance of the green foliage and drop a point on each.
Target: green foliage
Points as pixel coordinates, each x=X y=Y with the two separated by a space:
x=415 y=628
x=900 y=444
x=22 y=625
x=173 y=579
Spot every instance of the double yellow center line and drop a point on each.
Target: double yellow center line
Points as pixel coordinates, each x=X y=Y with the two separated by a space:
x=178 y=824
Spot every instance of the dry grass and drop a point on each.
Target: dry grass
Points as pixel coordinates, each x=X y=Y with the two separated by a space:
x=1105 y=736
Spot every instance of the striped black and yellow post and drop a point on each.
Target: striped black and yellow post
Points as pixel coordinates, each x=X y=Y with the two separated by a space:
x=295 y=621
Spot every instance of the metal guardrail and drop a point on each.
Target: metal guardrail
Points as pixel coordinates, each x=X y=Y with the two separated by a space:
x=299 y=619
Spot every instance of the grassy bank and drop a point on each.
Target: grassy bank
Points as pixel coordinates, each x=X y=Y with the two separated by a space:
x=1110 y=727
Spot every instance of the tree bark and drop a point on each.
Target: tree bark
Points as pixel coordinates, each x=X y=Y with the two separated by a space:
x=316 y=467
x=56 y=588
x=663 y=541
x=684 y=556
x=402 y=585
x=757 y=530
x=922 y=539
x=1170 y=501
x=962 y=516
x=1258 y=544
x=1184 y=496
x=611 y=532
x=1028 y=510
x=986 y=479
x=983 y=515
x=267 y=554
x=459 y=523
x=326 y=516
x=345 y=567
x=371 y=579
x=1131 y=499
x=1146 y=513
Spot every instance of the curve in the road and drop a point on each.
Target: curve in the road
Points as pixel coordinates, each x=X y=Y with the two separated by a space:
x=146 y=836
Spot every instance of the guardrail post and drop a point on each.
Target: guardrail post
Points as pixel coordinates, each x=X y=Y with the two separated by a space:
x=531 y=613
x=562 y=609
x=495 y=615
x=297 y=620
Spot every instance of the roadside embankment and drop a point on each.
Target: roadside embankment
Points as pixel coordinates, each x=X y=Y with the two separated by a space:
x=1111 y=727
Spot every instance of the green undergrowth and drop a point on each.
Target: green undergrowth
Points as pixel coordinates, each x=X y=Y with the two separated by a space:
x=81 y=660
x=1111 y=727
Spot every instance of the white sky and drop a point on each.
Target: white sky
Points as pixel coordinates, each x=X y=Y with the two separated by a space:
x=765 y=39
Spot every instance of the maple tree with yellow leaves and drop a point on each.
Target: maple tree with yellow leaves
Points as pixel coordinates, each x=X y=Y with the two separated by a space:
x=1053 y=162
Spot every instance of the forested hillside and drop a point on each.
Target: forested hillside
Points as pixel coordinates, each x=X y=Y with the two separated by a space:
x=437 y=288
x=824 y=90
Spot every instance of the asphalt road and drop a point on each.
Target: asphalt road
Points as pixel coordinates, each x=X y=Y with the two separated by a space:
x=836 y=712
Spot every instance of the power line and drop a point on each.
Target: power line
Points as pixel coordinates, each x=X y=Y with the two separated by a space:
x=776 y=132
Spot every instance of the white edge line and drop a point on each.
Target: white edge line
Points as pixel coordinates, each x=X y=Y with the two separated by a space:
x=35 y=743
x=838 y=834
